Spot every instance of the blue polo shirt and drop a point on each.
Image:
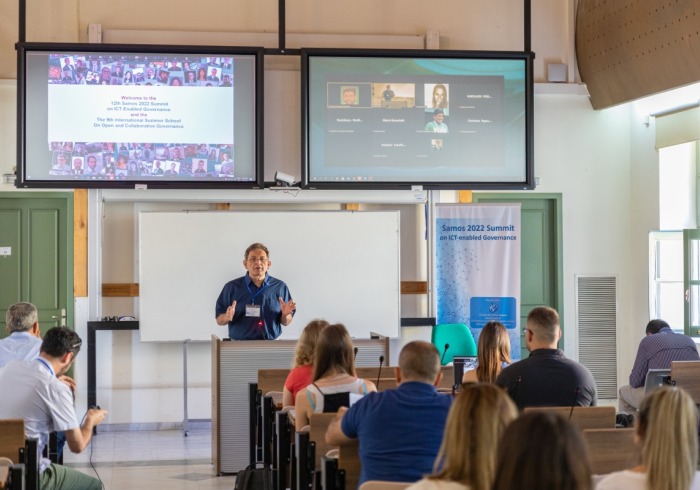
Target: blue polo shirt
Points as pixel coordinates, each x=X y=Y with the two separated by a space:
x=245 y=292
x=399 y=431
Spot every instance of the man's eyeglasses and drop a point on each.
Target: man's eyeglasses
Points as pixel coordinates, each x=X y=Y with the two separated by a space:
x=257 y=259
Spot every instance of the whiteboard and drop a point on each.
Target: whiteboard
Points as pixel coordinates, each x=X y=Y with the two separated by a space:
x=339 y=265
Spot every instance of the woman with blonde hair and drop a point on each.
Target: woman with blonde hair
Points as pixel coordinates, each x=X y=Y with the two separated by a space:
x=302 y=371
x=334 y=376
x=667 y=429
x=467 y=456
x=493 y=354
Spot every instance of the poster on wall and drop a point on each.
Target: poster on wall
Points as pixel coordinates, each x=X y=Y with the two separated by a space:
x=477 y=267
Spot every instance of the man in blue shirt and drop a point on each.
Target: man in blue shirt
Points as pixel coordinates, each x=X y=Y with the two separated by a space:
x=24 y=339
x=657 y=350
x=399 y=431
x=257 y=305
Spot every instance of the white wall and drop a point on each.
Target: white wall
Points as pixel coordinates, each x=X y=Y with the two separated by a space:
x=603 y=163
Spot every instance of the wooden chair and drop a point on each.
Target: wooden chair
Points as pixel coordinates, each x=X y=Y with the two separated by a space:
x=383 y=485
x=310 y=446
x=349 y=461
x=583 y=417
x=20 y=450
x=12 y=439
x=686 y=375
x=611 y=450
x=272 y=380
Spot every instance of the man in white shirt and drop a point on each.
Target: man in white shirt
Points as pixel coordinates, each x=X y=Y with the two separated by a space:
x=32 y=391
x=24 y=338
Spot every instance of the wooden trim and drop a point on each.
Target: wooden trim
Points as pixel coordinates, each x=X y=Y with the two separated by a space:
x=80 y=243
x=351 y=206
x=223 y=206
x=464 y=197
x=118 y=290
x=414 y=287
x=115 y=290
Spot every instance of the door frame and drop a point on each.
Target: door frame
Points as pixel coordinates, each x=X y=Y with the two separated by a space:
x=556 y=198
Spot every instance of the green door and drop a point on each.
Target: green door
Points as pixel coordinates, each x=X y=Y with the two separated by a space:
x=541 y=258
x=36 y=241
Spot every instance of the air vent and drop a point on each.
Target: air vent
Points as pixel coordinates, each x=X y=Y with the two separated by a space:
x=596 y=322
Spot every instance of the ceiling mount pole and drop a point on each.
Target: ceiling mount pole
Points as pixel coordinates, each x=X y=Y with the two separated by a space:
x=281 y=28
x=22 y=30
x=527 y=17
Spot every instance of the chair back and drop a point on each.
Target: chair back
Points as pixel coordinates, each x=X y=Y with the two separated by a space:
x=11 y=438
x=318 y=425
x=271 y=380
x=457 y=337
x=349 y=460
x=383 y=485
x=583 y=417
x=686 y=374
x=611 y=450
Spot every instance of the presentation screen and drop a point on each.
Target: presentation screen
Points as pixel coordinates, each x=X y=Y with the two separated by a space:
x=139 y=116
x=398 y=119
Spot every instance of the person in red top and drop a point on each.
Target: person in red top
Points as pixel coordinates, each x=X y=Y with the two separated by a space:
x=302 y=371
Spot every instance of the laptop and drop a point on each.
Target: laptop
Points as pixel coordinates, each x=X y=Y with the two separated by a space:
x=461 y=364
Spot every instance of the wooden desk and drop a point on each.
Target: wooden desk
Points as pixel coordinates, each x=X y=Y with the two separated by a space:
x=583 y=417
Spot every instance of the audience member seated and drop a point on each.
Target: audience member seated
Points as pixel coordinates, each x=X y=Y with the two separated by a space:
x=475 y=424
x=547 y=377
x=24 y=344
x=32 y=391
x=542 y=451
x=399 y=431
x=24 y=338
x=657 y=350
x=334 y=374
x=493 y=354
x=302 y=371
x=667 y=428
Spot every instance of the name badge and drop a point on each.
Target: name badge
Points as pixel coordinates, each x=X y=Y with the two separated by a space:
x=252 y=310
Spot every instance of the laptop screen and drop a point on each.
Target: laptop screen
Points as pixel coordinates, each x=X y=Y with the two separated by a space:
x=461 y=364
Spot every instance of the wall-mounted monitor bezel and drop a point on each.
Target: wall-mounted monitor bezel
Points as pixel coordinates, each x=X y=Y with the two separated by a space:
x=360 y=163
x=153 y=146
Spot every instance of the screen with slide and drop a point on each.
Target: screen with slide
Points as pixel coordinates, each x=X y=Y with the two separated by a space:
x=132 y=115
x=437 y=119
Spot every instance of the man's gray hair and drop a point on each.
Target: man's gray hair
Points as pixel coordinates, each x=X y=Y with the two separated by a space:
x=20 y=317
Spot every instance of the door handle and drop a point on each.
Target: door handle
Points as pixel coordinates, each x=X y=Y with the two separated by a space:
x=62 y=317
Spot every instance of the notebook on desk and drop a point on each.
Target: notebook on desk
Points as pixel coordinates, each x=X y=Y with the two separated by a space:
x=461 y=364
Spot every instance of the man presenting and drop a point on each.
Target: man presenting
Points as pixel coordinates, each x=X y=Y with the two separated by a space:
x=24 y=339
x=547 y=378
x=399 y=430
x=657 y=350
x=32 y=391
x=257 y=305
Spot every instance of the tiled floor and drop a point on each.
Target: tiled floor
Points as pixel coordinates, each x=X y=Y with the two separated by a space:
x=151 y=460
